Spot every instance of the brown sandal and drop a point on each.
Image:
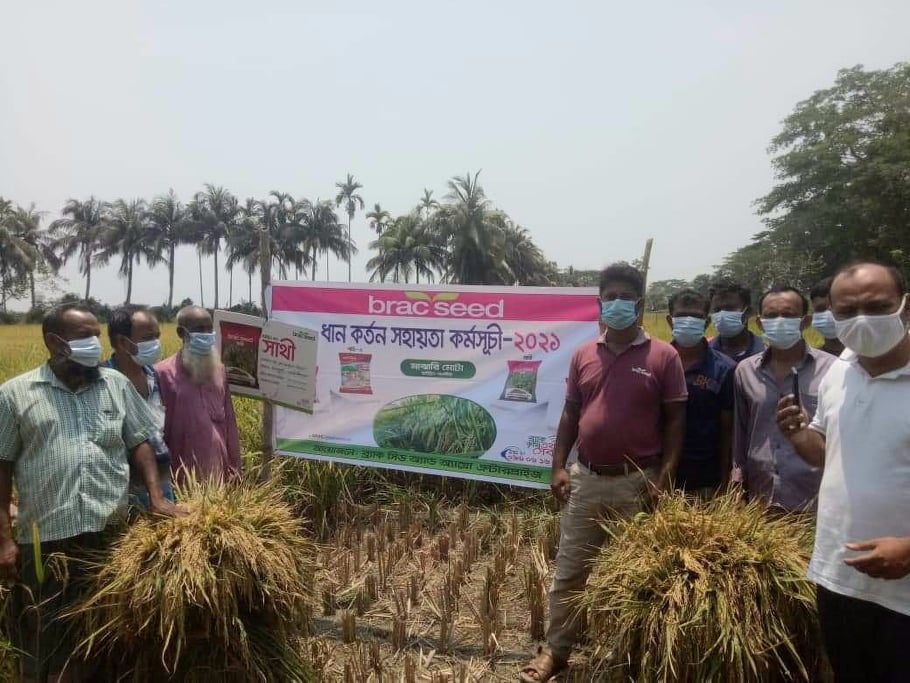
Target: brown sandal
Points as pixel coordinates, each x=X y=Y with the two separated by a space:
x=543 y=667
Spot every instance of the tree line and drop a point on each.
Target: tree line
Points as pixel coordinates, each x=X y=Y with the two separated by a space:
x=841 y=192
x=461 y=239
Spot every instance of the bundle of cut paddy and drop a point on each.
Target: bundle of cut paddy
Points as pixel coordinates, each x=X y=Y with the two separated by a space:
x=705 y=592
x=223 y=594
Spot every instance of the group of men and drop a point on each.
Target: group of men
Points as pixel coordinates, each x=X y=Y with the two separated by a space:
x=84 y=440
x=820 y=432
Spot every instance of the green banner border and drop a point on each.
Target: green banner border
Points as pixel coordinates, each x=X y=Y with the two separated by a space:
x=463 y=467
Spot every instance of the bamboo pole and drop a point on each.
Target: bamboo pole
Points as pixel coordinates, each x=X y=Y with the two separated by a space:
x=265 y=270
x=645 y=263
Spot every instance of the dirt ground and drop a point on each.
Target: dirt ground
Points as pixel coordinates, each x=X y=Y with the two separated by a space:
x=412 y=599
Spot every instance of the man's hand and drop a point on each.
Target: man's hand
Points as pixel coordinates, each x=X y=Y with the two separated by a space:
x=559 y=484
x=792 y=420
x=9 y=556
x=657 y=487
x=165 y=508
x=885 y=558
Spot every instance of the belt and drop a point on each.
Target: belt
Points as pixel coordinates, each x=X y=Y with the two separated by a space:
x=620 y=469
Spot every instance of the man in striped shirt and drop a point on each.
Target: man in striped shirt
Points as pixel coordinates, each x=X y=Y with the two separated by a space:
x=69 y=431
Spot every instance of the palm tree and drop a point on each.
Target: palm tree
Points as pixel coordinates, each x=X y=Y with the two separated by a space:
x=167 y=228
x=126 y=235
x=26 y=223
x=319 y=232
x=243 y=242
x=525 y=263
x=347 y=195
x=379 y=219
x=427 y=204
x=395 y=255
x=17 y=257
x=213 y=212
x=80 y=232
x=474 y=232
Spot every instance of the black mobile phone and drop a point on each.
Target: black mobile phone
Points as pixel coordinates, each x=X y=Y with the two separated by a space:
x=795 y=374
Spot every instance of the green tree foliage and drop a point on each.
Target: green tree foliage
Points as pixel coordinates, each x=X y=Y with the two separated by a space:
x=349 y=198
x=843 y=181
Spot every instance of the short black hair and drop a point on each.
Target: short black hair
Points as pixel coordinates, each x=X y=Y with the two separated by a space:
x=52 y=323
x=821 y=289
x=784 y=289
x=893 y=271
x=121 y=321
x=624 y=273
x=722 y=287
x=689 y=296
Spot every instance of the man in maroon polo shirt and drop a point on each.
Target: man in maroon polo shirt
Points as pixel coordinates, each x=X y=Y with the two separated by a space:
x=626 y=406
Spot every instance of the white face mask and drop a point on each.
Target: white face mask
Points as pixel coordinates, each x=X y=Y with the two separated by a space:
x=872 y=336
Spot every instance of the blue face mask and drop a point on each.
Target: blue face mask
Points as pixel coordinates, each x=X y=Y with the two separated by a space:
x=824 y=323
x=688 y=331
x=201 y=342
x=86 y=351
x=147 y=352
x=782 y=333
x=618 y=314
x=728 y=323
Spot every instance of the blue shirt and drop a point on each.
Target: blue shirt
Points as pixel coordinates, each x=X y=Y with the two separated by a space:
x=755 y=347
x=162 y=453
x=710 y=385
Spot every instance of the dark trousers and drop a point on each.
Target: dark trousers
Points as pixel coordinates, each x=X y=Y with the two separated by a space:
x=864 y=641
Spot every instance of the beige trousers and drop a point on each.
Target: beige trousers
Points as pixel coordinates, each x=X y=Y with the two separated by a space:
x=593 y=499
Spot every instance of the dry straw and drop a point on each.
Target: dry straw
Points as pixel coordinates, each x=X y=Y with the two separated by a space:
x=222 y=594
x=705 y=592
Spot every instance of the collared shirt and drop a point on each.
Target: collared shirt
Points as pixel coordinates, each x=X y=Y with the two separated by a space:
x=621 y=397
x=710 y=386
x=763 y=458
x=199 y=424
x=70 y=449
x=755 y=347
x=865 y=490
x=153 y=401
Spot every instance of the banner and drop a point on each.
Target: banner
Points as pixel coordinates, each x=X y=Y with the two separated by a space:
x=268 y=359
x=449 y=380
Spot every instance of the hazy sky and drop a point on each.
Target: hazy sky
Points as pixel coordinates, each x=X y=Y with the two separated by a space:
x=597 y=124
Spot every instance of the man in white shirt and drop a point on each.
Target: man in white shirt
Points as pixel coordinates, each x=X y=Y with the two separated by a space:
x=861 y=434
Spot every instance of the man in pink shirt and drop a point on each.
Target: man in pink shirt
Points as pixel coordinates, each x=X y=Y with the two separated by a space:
x=199 y=424
x=626 y=407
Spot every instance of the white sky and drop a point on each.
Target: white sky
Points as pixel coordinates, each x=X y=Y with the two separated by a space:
x=597 y=124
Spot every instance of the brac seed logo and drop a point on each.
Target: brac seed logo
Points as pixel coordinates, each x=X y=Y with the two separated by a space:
x=438 y=305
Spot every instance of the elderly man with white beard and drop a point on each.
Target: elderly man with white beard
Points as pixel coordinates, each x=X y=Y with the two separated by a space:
x=199 y=425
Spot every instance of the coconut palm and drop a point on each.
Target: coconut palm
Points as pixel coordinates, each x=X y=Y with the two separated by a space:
x=243 y=242
x=26 y=224
x=525 y=263
x=167 y=228
x=126 y=235
x=79 y=232
x=379 y=219
x=347 y=195
x=213 y=213
x=474 y=233
x=395 y=252
x=17 y=257
x=319 y=232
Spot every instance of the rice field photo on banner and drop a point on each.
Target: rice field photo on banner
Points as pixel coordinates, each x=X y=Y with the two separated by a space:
x=459 y=381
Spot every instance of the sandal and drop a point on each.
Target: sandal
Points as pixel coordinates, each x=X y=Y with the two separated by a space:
x=543 y=667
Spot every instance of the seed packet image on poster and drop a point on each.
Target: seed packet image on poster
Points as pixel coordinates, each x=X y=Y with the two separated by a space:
x=355 y=373
x=240 y=353
x=521 y=382
x=435 y=423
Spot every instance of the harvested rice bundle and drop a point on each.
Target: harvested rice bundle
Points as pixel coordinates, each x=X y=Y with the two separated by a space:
x=223 y=594
x=705 y=592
